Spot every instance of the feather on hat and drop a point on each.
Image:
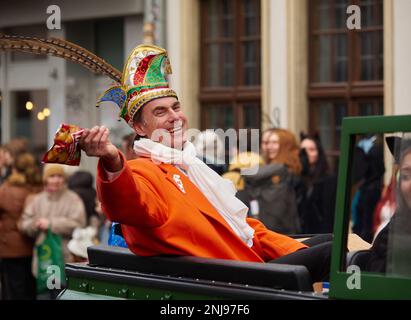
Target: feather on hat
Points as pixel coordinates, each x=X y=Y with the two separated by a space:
x=143 y=78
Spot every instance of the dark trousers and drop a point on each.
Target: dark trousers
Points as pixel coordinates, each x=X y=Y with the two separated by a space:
x=17 y=281
x=316 y=258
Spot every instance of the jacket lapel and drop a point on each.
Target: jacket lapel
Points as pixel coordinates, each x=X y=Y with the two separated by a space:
x=192 y=194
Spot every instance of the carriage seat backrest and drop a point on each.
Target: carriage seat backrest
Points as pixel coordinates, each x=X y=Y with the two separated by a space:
x=289 y=277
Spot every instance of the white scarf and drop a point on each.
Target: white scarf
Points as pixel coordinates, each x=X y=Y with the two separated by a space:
x=220 y=192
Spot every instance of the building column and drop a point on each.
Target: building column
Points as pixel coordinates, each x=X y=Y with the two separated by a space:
x=401 y=56
x=173 y=20
x=5 y=99
x=183 y=34
x=265 y=64
x=274 y=63
x=388 y=57
x=285 y=64
x=154 y=26
x=297 y=65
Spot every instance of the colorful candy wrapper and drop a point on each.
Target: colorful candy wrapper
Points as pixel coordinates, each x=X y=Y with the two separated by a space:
x=66 y=148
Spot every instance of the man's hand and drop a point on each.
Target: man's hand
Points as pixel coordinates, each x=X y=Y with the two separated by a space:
x=95 y=143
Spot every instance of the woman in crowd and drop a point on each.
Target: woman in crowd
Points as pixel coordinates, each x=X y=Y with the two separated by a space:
x=317 y=205
x=16 y=249
x=6 y=162
x=56 y=208
x=272 y=193
x=391 y=250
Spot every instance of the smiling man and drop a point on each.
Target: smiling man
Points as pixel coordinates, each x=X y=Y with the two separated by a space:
x=162 y=121
x=167 y=200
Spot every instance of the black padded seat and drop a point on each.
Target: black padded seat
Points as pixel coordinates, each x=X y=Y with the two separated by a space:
x=359 y=258
x=277 y=276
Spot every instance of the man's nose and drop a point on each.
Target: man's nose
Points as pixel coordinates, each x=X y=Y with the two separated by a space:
x=173 y=116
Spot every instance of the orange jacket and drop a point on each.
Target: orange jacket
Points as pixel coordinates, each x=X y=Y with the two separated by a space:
x=159 y=217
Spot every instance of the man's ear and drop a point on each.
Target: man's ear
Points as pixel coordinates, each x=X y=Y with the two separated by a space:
x=139 y=128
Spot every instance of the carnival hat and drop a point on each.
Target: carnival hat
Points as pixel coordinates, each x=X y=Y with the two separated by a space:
x=143 y=80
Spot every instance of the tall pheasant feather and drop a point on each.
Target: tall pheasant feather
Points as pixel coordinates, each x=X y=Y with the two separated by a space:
x=62 y=49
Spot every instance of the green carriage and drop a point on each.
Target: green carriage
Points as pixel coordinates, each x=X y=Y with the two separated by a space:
x=116 y=273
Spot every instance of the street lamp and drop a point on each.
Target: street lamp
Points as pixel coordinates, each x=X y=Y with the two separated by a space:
x=40 y=116
x=46 y=112
x=29 y=105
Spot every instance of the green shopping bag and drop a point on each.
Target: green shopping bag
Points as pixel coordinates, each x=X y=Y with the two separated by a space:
x=50 y=263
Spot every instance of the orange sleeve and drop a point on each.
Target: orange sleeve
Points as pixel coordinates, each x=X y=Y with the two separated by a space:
x=131 y=197
x=271 y=244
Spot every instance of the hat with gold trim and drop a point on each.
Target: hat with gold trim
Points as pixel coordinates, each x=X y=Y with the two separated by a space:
x=143 y=80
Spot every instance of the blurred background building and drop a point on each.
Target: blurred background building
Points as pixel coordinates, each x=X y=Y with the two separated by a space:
x=236 y=63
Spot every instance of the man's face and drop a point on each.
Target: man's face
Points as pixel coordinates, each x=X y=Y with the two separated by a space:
x=162 y=120
x=405 y=171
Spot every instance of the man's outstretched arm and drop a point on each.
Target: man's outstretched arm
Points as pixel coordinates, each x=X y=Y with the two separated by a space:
x=127 y=198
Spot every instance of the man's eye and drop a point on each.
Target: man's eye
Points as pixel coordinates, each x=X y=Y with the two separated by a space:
x=160 y=113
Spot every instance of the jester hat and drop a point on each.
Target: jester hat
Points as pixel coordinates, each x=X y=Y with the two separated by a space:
x=142 y=81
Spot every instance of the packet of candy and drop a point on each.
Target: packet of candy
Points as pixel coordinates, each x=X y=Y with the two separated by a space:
x=66 y=148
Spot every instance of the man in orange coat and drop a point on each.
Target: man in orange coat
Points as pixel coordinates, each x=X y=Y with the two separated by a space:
x=167 y=200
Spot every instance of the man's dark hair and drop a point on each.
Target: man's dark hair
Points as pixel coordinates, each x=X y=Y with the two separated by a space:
x=137 y=118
